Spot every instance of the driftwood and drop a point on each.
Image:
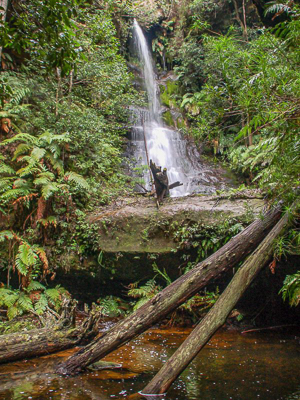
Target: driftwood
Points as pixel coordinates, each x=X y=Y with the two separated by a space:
x=60 y=336
x=161 y=182
x=217 y=315
x=173 y=295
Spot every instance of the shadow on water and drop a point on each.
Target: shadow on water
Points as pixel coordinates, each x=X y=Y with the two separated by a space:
x=232 y=366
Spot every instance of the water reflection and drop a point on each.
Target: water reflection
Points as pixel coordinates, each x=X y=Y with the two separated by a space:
x=232 y=366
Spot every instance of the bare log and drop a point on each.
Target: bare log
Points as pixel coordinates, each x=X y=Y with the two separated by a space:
x=175 y=184
x=217 y=315
x=39 y=342
x=173 y=295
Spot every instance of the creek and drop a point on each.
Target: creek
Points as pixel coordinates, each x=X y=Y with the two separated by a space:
x=259 y=365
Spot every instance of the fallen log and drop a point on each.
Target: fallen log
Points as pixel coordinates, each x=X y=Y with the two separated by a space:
x=38 y=342
x=173 y=295
x=217 y=316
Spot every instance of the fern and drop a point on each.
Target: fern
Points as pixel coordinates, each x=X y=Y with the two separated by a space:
x=109 y=307
x=34 y=285
x=38 y=153
x=21 y=149
x=77 y=179
x=6 y=235
x=291 y=289
x=277 y=8
x=49 y=189
x=8 y=297
x=25 y=137
x=24 y=302
x=26 y=254
x=13 y=312
x=41 y=305
x=48 y=221
x=6 y=169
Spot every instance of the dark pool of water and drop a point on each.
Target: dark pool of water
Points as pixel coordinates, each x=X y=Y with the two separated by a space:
x=232 y=366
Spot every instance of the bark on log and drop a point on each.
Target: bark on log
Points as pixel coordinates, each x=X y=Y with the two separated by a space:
x=173 y=295
x=216 y=316
x=39 y=342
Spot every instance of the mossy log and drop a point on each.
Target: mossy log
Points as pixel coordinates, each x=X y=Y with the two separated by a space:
x=173 y=295
x=217 y=315
x=39 y=342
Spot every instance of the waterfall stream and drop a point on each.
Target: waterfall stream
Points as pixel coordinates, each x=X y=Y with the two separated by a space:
x=165 y=146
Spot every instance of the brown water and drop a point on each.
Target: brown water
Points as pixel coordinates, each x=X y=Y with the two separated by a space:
x=232 y=366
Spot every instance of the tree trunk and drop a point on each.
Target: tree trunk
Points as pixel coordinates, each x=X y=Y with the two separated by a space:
x=217 y=315
x=38 y=342
x=173 y=295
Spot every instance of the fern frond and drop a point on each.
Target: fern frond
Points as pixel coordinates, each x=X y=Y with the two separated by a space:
x=53 y=295
x=6 y=235
x=21 y=149
x=26 y=254
x=42 y=256
x=277 y=8
x=49 y=189
x=28 y=170
x=23 y=137
x=140 y=303
x=44 y=178
x=6 y=169
x=38 y=153
x=14 y=194
x=8 y=297
x=34 y=285
x=13 y=312
x=6 y=183
x=77 y=179
x=48 y=221
x=24 y=302
x=41 y=305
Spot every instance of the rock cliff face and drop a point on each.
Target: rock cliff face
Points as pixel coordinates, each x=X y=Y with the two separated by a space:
x=135 y=225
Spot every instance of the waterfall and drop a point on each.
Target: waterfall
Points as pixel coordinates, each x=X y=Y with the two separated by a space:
x=165 y=146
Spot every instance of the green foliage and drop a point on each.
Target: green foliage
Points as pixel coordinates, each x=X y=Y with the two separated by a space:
x=111 y=307
x=30 y=29
x=291 y=289
x=204 y=239
x=35 y=299
x=143 y=293
x=249 y=107
x=196 y=306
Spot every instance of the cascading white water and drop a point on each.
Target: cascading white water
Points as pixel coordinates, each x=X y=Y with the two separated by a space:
x=148 y=72
x=165 y=146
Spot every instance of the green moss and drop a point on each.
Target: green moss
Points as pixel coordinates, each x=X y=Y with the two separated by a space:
x=180 y=123
x=168 y=119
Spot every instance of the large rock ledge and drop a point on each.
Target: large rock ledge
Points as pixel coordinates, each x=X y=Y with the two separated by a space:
x=135 y=225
